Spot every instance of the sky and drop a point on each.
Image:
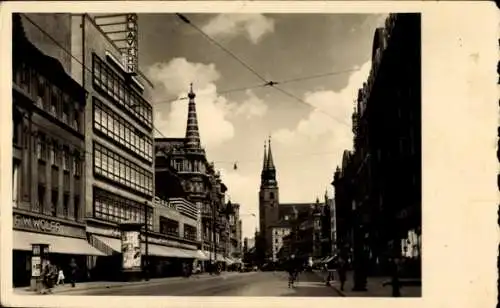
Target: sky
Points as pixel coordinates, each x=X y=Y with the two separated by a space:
x=308 y=134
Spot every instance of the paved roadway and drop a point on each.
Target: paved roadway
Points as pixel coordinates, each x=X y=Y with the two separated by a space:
x=242 y=284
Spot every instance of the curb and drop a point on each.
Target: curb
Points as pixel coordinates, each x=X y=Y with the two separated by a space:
x=126 y=284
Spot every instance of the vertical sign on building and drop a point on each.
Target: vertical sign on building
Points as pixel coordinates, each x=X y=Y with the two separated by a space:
x=132 y=44
x=122 y=30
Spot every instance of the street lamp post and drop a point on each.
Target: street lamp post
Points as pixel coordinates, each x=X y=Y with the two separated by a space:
x=146 y=256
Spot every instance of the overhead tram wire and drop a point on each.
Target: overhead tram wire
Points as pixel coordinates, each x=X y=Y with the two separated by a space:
x=85 y=152
x=267 y=82
x=187 y=21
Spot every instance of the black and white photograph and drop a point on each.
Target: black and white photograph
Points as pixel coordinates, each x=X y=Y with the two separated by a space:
x=220 y=154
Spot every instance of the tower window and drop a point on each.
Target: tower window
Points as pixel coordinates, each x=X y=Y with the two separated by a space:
x=271 y=195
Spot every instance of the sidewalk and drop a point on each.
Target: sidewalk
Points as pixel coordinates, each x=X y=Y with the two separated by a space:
x=116 y=284
x=374 y=286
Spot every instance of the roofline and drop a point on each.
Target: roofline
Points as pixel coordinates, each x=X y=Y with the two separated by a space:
x=86 y=15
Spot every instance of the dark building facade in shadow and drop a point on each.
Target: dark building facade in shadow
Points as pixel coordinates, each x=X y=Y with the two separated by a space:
x=378 y=185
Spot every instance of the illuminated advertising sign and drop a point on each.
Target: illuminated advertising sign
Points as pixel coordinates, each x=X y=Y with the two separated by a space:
x=131 y=249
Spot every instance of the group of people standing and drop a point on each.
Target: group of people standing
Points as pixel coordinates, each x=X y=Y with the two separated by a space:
x=53 y=275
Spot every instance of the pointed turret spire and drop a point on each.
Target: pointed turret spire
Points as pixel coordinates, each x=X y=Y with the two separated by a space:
x=270 y=162
x=192 y=130
x=264 y=162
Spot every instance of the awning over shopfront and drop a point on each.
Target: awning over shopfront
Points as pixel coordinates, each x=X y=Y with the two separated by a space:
x=153 y=249
x=58 y=244
x=229 y=261
x=202 y=256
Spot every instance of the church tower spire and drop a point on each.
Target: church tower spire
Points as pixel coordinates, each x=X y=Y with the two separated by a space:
x=264 y=162
x=192 y=130
x=268 y=175
x=270 y=162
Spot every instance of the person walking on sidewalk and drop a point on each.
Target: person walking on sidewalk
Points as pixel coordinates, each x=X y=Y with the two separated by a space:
x=73 y=269
x=342 y=269
x=60 y=277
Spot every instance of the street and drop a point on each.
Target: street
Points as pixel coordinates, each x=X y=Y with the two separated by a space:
x=244 y=284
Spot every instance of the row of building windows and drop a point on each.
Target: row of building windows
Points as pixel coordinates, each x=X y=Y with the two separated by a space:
x=118 y=129
x=113 y=208
x=40 y=204
x=51 y=151
x=117 y=168
x=111 y=83
x=48 y=97
x=184 y=165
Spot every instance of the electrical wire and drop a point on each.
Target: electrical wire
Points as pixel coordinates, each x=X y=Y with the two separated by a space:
x=187 y=21
x=270 y=83
x=267 y=83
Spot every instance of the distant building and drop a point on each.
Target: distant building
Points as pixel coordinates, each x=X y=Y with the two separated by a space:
x=236 y=249
x=272 y=213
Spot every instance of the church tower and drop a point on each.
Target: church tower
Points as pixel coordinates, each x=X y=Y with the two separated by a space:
x=268 y=197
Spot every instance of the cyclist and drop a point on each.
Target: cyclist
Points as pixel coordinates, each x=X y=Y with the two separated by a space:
x=292 y=268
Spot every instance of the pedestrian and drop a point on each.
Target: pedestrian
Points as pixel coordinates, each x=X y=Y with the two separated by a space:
x=44 y=277
x=73 y=269
x=49 y=275
x=342 y=270
x=60 y=277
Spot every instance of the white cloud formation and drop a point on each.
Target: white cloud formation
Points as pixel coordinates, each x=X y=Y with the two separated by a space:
x=316 y=144
x=214 y=111
x=254 y=26
x=331 y=114
x=251 y=107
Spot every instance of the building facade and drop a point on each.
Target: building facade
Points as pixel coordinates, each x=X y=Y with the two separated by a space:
x=49 y=154
x=198 y=182
x=118 y=137
x=378 y=189
x=236 y=249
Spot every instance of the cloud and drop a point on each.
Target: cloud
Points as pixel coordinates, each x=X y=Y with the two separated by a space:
x=331 y=114
x=254 y=26
x=214 y=111
x=316 y=144
x=251 y=107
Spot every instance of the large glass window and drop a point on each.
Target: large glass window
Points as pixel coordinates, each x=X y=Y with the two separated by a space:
x=169 y=226
x=115 y=167
x=121 y=131
x=114 y=208
x=113 y=84
x=189 y=232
